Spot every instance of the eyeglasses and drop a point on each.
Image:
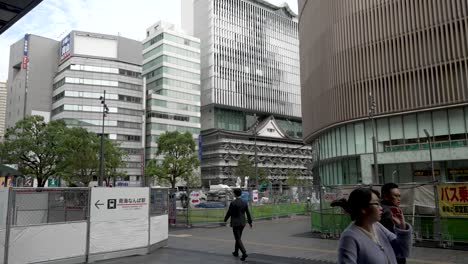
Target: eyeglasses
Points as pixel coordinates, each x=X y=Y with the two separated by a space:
x=376 y=204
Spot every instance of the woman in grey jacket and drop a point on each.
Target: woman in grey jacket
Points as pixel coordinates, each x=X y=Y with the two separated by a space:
x=365 y=240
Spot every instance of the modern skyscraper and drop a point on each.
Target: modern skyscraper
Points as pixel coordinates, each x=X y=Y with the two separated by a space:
x=171 y=67
x=3 y=99
x=250 y=90
x=65 y=80
x=411 y=57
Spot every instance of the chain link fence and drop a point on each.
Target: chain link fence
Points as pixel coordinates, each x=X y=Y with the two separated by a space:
x=211 y=208
x=35 y=206
x=417 y=204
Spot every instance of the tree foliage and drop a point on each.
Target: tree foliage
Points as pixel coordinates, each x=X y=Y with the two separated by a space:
x=262 y=175
x=244 y=168
x=179 y=158
x=81 y=161
x=51 y=149
x=81 y=156
x=35 y=146
x=293 y=179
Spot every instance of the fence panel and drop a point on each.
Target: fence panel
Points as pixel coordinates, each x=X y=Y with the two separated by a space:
x=55 y=215
x=35 y=206
x=4 y=198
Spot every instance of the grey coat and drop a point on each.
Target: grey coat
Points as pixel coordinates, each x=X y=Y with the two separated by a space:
x=355 y=247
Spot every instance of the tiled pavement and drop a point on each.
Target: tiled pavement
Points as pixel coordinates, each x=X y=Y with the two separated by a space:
x=281 y=241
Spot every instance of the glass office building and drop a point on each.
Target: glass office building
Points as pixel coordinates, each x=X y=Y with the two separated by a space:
x=89 y=64
x=171 y=67
x=250 y=73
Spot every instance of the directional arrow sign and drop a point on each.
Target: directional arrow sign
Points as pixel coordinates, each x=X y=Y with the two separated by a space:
x=97 y=203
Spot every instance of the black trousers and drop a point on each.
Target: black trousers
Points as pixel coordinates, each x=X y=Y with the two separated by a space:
x=237 y=230
x=401 y=260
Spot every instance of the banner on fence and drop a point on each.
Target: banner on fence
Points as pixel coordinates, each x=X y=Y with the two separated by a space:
x=453 y=199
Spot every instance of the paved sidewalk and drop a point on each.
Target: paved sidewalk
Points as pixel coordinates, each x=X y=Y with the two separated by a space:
x=286 y=241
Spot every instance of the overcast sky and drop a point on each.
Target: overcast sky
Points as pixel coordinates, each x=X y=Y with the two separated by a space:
x=55 y=18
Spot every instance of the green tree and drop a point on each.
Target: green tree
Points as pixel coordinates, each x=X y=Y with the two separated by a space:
x=262 y=176
x=293 y=179
x=179 y=160
x=35 y=146
x=81 y=162
x=244 y=168
x=114 y=157
x=81 y=159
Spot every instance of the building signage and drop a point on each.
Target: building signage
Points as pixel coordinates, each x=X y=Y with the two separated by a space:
x=458 y=171
x=426 y=172
x=255 y=196
x=453 y=199
x=119 y=203
x=25 y=51
x=195 y=198
x=65 y=48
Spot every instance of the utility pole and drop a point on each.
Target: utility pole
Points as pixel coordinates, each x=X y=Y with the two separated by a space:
x=436 y=192
x=372 y=107
x=255 y=149
x=105 y=111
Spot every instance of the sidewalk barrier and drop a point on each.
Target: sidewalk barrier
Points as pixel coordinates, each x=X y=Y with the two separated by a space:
x=417 y=203
x=4 y=196
x=77 y=225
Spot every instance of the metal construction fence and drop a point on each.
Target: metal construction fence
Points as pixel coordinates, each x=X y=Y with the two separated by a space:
x=418 y=206
x=78 y=225
x=35 y=206
x=271 y=203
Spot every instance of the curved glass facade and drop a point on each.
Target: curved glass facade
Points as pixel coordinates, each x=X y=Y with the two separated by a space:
x=340 y=147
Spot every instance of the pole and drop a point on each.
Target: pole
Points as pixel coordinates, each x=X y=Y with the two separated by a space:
x=320 y=186
x=374 y=138
x=436 y=192
x=256 y=163
x=101 y=156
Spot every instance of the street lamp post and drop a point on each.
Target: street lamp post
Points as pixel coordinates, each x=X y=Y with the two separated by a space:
x=105 y=111
x=436 y=192
x=374 y=138
x=255 y=151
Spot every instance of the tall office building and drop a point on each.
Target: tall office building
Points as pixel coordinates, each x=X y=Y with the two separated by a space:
x=33 y=65
x=411 y=56
x=3 y=99
x=250 y=90
x=65 y=80
x=171 y=67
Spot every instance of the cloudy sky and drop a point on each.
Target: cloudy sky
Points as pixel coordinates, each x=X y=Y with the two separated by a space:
x=55 y=18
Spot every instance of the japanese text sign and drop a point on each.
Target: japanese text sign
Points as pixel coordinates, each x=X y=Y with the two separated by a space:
x=453 y=199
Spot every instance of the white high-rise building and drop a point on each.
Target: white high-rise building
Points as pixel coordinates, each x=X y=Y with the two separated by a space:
x=250 y=88
x=171 y=68
x=3 y=99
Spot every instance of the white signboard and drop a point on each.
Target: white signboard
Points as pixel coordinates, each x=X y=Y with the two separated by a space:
x=110 y=204
x=255 y=195
x=194 y=198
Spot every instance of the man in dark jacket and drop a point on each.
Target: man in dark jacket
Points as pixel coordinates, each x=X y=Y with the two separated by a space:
x=237 y=211
x=391 y=199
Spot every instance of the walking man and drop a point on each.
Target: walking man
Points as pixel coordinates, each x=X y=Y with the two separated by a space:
x=391 y=199
x=237 y=211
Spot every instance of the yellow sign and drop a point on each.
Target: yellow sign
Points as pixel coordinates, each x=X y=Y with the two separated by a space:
x=453 y=199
